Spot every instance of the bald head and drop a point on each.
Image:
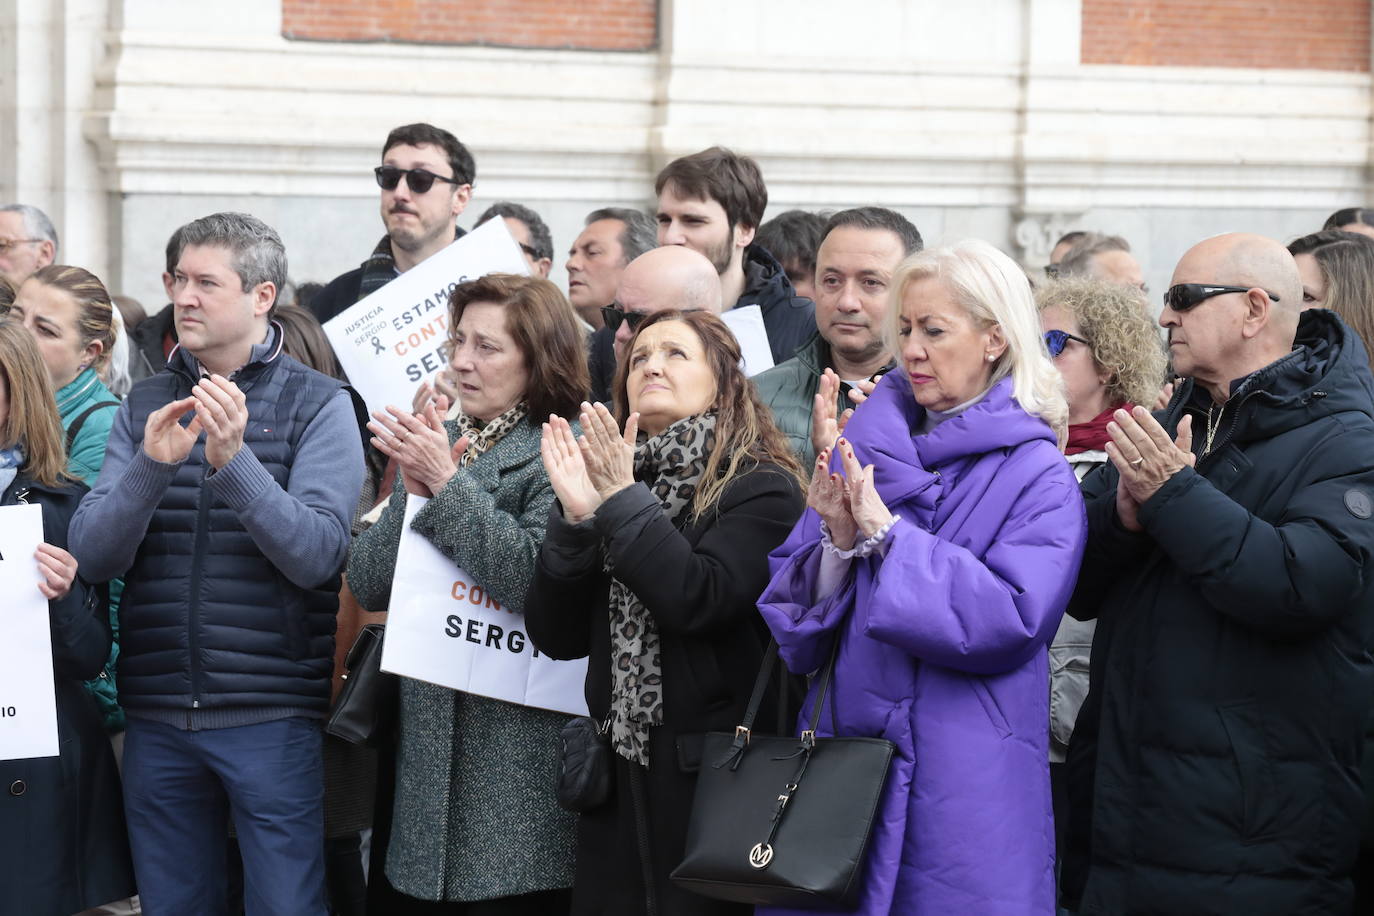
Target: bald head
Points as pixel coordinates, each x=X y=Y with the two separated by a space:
x=671 y=277
x=1242 y=259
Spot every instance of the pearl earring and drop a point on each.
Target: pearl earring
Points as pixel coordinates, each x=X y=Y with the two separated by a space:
x=991 y=357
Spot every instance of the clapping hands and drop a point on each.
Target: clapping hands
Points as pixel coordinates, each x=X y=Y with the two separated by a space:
x=848 y=503
x=587 y=470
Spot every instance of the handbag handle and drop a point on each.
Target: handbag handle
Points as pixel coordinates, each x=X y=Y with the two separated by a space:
x=808 y=737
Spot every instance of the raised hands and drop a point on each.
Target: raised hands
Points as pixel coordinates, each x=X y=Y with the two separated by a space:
x=608 y=455
x=825 y=425
x=223 y=412
x=164 y=438
x=420 y=446
x=567 y=471
x=57 y=569
x=1146 y=458
x=848 y=503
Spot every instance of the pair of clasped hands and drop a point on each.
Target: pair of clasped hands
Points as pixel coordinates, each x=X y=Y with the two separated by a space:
x=847 y=502
x=589 y=469
x=1145 y=458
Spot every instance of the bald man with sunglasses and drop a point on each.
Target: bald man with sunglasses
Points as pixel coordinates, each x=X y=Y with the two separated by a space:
x=426 y=180
x=1215 y=766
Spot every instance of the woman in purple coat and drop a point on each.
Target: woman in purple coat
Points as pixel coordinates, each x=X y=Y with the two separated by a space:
x=940 y=548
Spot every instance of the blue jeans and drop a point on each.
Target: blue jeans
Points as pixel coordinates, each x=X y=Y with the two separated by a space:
x=180 y=789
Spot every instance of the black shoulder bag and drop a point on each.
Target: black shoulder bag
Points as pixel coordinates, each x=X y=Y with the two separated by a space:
x=783 y=821
x=366 y=709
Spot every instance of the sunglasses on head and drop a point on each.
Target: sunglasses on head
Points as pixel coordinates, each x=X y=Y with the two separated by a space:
x=613 y=315
x=418 y=180
x=1056 y=341
x=1184 y=296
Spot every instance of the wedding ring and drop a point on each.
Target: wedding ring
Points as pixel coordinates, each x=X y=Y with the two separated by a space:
x=1138 y=462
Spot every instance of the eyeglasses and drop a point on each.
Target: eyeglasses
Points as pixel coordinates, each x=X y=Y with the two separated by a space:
x=7 y=244
x=613 y=315
x=1184 y=296
x=418 y=180
x=1056 y=341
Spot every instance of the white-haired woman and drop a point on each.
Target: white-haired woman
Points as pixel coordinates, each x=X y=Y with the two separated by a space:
x=939 y=548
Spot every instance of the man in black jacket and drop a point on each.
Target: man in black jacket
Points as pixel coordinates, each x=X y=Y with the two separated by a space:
x=426 y=177
x=713 y=202
x=1215 y=765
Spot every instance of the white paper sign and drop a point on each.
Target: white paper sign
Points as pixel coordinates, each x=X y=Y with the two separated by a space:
x=444 y=628
x=28 y=708
x=391 y=341
x=746 y=323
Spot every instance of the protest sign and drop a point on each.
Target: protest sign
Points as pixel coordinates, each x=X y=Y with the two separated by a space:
x=28 y=709
x=746 y=323
x=394 y=339
x=443 y=627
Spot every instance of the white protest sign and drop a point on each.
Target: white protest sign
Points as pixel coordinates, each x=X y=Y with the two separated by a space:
x=746 y=323
x=394 y=339
x=28 y=708
x=444 y=628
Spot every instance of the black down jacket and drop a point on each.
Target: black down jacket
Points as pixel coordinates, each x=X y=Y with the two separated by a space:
x=1215 y=767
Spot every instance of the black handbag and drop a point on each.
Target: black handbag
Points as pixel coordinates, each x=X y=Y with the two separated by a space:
x=584 y=764
x=783 y=821
x=366 y=710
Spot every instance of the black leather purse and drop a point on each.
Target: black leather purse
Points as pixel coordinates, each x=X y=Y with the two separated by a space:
x=366 y=710
x=584 y=764
x=783 y=821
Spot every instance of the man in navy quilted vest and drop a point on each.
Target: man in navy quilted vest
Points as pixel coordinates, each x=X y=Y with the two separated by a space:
x=225 y=499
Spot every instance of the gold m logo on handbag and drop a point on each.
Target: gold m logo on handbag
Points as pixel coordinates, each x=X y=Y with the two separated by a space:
x=761 y=855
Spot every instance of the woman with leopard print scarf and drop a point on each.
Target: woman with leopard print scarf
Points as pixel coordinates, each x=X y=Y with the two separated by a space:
x=650 y=567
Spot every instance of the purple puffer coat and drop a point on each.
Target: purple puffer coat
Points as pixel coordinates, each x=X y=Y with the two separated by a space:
x=943 y=649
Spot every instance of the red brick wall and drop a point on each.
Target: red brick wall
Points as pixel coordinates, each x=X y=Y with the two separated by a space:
x=1302 y=34
x=600 y=25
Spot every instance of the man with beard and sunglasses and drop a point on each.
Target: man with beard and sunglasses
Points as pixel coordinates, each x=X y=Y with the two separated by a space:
x=426 y=177
x=713 y=202
x=1215 y=765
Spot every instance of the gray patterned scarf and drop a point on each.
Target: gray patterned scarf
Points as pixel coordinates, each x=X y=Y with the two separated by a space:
x=482 y=436
x=671 y=463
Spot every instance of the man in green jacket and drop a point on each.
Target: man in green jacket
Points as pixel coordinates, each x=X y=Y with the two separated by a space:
x=859 y=252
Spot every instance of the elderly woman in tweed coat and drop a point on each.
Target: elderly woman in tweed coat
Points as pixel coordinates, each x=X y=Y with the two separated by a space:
x=476 y=827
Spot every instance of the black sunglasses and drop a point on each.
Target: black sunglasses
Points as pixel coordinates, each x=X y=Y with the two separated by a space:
x=418 y=180
x=1184 y=296
x=1057 y=340
x=613 y=315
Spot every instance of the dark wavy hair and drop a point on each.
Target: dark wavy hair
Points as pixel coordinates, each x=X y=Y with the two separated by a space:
x=545 y=329
x=746 y=435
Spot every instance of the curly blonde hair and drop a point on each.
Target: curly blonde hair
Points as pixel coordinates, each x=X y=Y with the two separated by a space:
x=1114 y=320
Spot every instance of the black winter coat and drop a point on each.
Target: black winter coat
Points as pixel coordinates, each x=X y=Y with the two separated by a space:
x=62 y=837
x=1215 y=767
x=700 y=584
x=790 y=319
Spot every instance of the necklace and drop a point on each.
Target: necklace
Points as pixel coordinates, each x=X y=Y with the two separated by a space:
x=1212 y=427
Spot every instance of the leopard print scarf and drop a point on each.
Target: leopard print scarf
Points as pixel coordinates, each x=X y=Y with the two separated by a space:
x=482 y=436
x=671 y=463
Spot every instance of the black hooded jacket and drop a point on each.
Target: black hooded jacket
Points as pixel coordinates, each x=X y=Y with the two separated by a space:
x=790 y=319
x=1215 y=763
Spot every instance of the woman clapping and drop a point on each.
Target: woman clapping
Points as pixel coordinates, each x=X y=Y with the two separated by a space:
x=651 y=566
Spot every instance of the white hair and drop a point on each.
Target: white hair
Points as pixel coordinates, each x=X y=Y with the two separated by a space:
x=115 y=372
x=994 y=291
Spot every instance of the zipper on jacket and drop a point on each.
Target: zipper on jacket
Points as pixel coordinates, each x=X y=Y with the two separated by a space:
x=197 y=564
x=646 y=865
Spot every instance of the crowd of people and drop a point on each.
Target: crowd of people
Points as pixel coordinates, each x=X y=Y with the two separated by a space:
x=1099 y=569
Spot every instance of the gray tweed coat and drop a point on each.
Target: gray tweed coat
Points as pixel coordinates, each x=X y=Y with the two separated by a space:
x=475 y=816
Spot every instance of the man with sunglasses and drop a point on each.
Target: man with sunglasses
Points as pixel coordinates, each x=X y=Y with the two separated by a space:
x=1215 y=763
x=28 y=242
x=426 y=179
x=530 y=232
x=665 y=278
